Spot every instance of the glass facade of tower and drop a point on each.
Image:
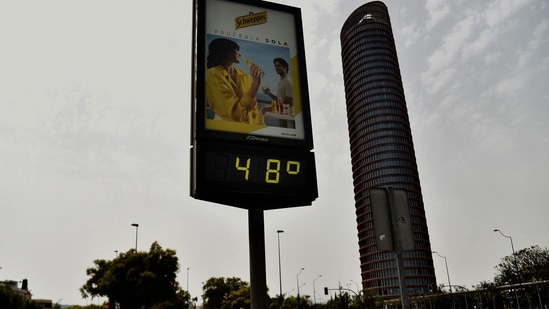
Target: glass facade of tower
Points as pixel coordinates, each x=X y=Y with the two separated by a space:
x=382 y=150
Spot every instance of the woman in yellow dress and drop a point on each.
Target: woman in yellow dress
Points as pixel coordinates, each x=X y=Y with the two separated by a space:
x=231 y=92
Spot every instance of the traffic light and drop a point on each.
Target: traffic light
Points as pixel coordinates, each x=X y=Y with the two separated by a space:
x=325 y=290
x=430 y=288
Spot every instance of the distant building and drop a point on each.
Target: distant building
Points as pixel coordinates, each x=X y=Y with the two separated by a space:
x=25 y=293
x=45 y=303
x=382 y=150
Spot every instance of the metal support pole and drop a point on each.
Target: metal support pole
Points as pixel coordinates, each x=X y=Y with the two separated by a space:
x=398 y=251
x=258 y=277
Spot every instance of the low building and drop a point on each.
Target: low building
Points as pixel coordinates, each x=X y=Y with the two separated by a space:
x=24 y=292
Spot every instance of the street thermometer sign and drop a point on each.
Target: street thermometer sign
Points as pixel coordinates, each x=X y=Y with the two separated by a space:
x=251 y=123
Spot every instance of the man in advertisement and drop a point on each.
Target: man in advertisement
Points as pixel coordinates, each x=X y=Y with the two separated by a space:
x=284 y=93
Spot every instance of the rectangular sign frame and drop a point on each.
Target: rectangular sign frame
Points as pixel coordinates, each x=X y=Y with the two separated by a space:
x=263 y=31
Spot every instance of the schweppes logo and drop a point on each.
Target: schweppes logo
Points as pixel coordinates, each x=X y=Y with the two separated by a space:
x=252 y=19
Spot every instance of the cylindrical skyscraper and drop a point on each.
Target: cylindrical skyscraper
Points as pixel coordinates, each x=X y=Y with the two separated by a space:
x=382 y=150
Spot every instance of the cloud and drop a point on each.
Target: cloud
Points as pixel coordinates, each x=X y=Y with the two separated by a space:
x=438 y=10
x=442 y=62
x=539 y=37
x=509 y=86
x=500 y=10
x=413 y=33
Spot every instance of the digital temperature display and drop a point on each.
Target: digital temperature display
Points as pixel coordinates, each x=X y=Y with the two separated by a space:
x=251 y=176
x=246 y=168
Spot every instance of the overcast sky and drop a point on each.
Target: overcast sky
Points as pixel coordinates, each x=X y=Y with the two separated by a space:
x=94 y=136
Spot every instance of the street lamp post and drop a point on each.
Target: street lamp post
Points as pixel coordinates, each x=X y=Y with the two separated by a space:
x=514 y=262
x=447 y=274
x=188 y=293
x=188 y=279
x=298 y=302
x=357 y=288
x=279 y=269
x=136 y=229
x=314 y=290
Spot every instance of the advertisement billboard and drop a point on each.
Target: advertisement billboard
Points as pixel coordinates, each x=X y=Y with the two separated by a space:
x=250 y=74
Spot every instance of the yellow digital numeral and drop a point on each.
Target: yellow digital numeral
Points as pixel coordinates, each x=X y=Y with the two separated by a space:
x=243 y=168
x=272 y=171
x=292 y=167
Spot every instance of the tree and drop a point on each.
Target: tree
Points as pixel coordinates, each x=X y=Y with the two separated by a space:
x=291 y=302
x=532 y=264
x=341 y=301
x=490 y=295
x=137 y=279
x=526 y=267
x=239 y=299
x=217 y=292
x=367 y=299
